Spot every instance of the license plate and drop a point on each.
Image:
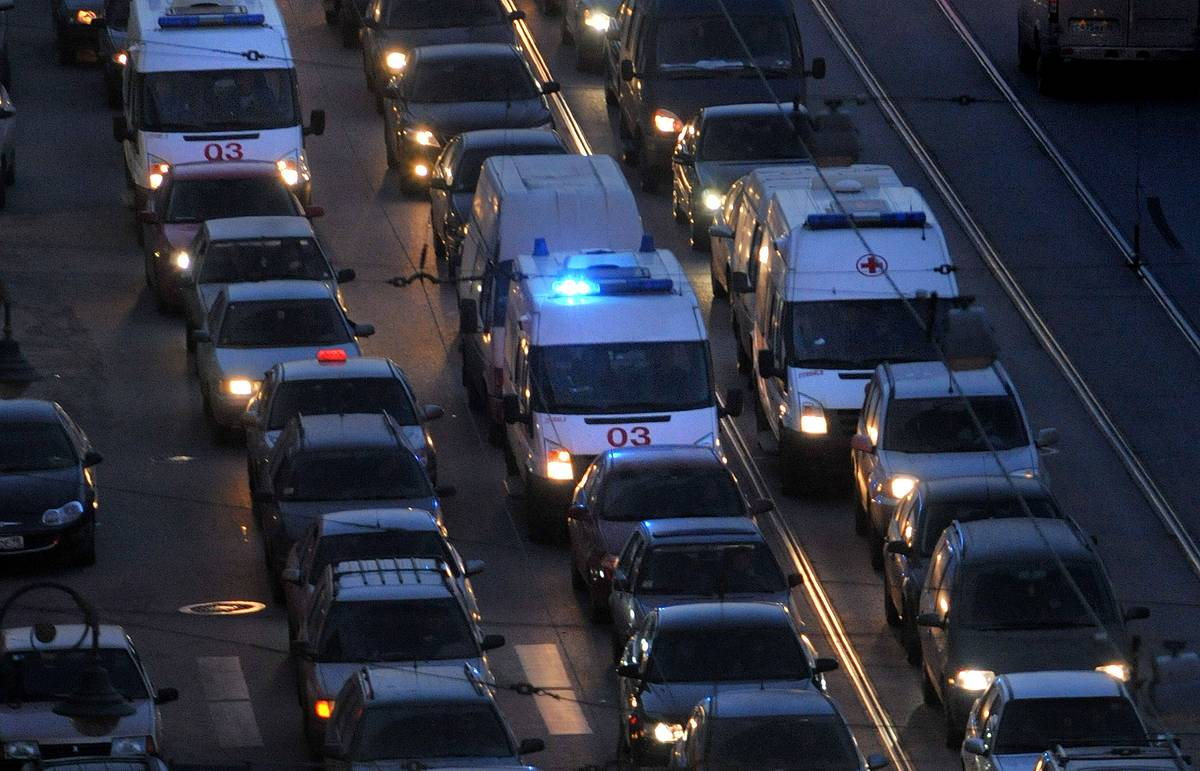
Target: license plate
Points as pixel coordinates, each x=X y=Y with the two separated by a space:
x=11 y=542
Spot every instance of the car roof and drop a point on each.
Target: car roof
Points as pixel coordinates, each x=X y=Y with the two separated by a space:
x=686 y=455
x=284 y=289
x=983 y=486
x=236 y=228
x=67 y=636
x=504 y=138
x=747 y=109
x=28 y=410
x=768 y=702
x=721 y=614
x=1016 y=539
x=462 y=51
x=1074 y=684
x=354 y=522
x=436 y=682
x=352 y=367
x=405 y=578
x=225 y=170
x=702 y=530
x=931 y=379
x=353 y=430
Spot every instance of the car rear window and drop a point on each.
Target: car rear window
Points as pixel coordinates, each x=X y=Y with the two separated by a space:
x=662 y=492
x=282 y=324
x=938 y=516
x=710 y=570
x=396 y=630
x=725 y=654
x=356 y=475
x=263 y=259
x=472 y=79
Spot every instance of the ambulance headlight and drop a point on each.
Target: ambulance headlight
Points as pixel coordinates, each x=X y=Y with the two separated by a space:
x=182 y=260
x=974 y=679
x=901 y=485
x=667 y=122
x=812 y=419
x=597 y=20
x=667 y=733
x=156 y=171
x=558 y=465
x=240 y=386
x=293 y=168
x=712 y=200
x=395 y=61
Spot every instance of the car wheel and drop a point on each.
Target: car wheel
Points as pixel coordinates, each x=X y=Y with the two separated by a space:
x=496 y=435
x=650 y=177
x=875 y=547
x=599 y=609
x=84 y=555
x=699 y=237
x=577 y=581
x=349 y=27
x=791 y=473
x=10 y=170
x=4 y=190
x=112 y=88
x=954 y=732
x=393 y=161
x=510 y=461
x=1049 y=73
x=719 y=290
x=610 y=92
x=911 y=640
x=862 y=520
x=928 y=694
x=1026 y=54
x=66 y=55
x=439 y=248
x=890 y=614
x=743 y=358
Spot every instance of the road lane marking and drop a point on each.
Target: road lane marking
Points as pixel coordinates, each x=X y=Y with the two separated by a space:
x=228 y=697
x=544 y=668
x=235 y=724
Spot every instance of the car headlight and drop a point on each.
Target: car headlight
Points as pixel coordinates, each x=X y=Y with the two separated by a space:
x=65 y=514
x=23 y=748
x=1116 y=670
x=323 y=708
x=597 y=20
x=423 y=136
x=558 y=464
x=156 y=170
x=667 y=122
x=900 y=485
x=240 y=386
x=129 y=745
x=121 y=58
x=84 y=16
x=812 y=419
x=712 y=200
x=395 y=61
x=974 y=679
x=667 y=733
x=293 y=168
x=182 y=260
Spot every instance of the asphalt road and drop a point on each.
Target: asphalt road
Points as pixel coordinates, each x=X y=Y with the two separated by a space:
x=175 y=517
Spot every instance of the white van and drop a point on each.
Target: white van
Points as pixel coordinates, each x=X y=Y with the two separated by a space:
x=210 y=82
x=828 y=311
x=571 y=201
x=604 y=350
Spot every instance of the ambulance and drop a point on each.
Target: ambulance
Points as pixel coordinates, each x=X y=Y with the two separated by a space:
x=210 y=82
x=604 y=349
x=845 y=278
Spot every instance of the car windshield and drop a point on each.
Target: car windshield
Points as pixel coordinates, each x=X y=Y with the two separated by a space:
x=472 y=79
x=471 y=164
x=854 y=334
x=341 y=397
x=725 y=654
x=658 y=491
x=691 y=44
x=34 y=446
x=944 y=424
x=430 y=14
x=218 y=100
x=196 y=200
x=710 y=570
x=1035 y=595
x=282 y=324
x=379 y=544
x=781 y=743
x=396 y=630
x=938 y=516
x=620 y=377
x=750 y=138
x=51 y=675
x=459 y=730
x=1032 y=725
x=263 y=259
x=356 y=476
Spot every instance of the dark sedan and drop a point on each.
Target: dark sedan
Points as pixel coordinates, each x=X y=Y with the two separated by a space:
x=47 y=487
x=448 y=89
x=456 y=173
x=75 y=26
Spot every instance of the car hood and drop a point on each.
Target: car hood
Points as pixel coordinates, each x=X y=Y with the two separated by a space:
x=25 y=495
x=297 y=515
x=499 y=32
x=36 y=720
x=942 y=465
x=720 y=175
x=180 y=236
x=671 y=702
x=447 y=120
x=685 y=96
x=1033 y=650
x=253 y=363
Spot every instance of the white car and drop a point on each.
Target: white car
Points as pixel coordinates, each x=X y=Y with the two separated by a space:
x=8 y=141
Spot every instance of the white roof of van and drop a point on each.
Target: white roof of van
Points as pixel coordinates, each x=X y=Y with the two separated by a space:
x=762 y=183
x=208 y=47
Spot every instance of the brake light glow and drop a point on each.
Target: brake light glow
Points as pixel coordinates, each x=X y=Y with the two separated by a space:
x=331 y=355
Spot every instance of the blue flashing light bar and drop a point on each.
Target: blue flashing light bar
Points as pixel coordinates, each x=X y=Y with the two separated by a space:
x=887 y=219
x=212 y=20
x=571 y=286
x=580 y=286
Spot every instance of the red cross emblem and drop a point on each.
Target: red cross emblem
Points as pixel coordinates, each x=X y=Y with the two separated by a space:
x=871 y=265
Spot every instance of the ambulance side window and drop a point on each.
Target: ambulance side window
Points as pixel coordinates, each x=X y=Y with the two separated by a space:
x=776 y=334
x=521 y=379
x=741 y=236
x=753 y=258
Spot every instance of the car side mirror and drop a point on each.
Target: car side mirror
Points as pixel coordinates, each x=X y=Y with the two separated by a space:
x=530 y=746
x=761 y=506
x=468 y=317
x=148 y=217
x=818 y=69
x=720 y=231
x=739 y=281
x=473 y=567
x=1047 y=437
x=825 y=664
x=290 y=576
x=364 y=330
x=166 y=695
x=620 y=581
x=795 y=580
x=732 y=404
x=346 y=275
x=445 y=491
x=1137 y=613
x=876 y=761
x=201 y=336
x=551 y=87
x=439 y=183
x=862 y=443
x=516 y=16
x=302 y=649
x=91 y=458
x=512 y=409
x=312 y=212
x=974 y=745
x=120 y=129
x=897 y=547
x=932 y=620
x=432 y=411
x=767 y=366
x=683 y=157
x=316 y=123
x=629 y=670
x=491 y=642
x=627 y=72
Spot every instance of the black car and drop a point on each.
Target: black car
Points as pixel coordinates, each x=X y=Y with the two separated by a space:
x=47 y=488
x=75 y=26
x=448 y=89
x=456 y=173
x=677 y=56
x=111 y=48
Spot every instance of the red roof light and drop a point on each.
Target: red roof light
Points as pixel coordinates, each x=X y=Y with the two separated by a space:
x=331 y=355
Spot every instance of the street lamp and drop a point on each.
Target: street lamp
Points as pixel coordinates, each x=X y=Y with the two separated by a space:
x=15 y=372
x=95 y=707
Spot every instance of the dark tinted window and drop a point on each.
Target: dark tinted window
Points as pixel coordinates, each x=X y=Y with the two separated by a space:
x=750 y=138
x=35 y=446
x=1032 y=725
x=379 y=631
x=354 y=476
x=659 y=491
x=621 y=377
x=341 y=397
x=218 y=100
x=282 y=323
x=710 y=570
x=435 y=731
x=196 y=200
x=116 y=14
x=854 y=334
x=263 y=259
x=783 y=743
x=378 y=544
x=705 y=43
x=51 y=675
x=472 y=79
x=1034 y=595
x=467 y=176
x=945 y=425
x=727 y=654
x=423 y=14
x=938 y=516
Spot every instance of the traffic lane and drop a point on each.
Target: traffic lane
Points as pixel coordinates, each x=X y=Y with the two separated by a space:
x=525 y=591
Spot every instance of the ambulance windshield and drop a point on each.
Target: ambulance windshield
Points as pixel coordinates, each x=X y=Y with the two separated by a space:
x=855 y=334
x=217 y=100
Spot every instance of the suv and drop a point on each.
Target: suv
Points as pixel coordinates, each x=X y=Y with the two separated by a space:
x=996 y=599
x=915 y=425
x=678 y=561
x=328 y=463
x=392 y=611
x=38 y=663
x=676 y=56
x=410 y=718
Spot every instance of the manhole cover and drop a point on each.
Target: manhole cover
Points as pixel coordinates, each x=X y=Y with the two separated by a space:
x=223 y=608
